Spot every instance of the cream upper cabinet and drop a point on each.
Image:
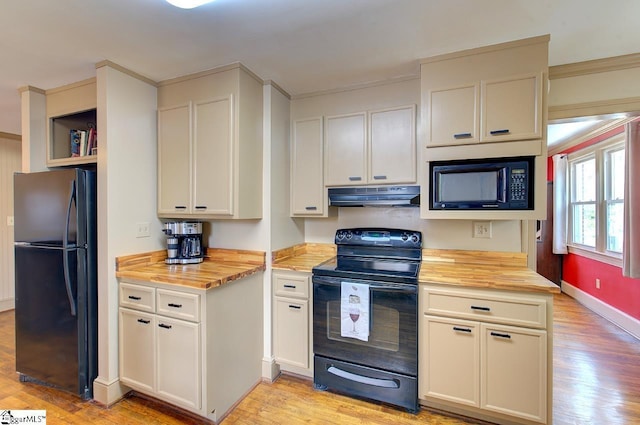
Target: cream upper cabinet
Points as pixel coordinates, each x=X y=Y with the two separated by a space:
x=174 y=159
x=308 y=194
x=210 y=145
x=392 y=147
x=368 y=148
x=345 y=149
x=454 y=117
x=512 y=108
x=499 y=110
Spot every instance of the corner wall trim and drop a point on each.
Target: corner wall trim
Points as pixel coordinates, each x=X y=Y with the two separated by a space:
x=108 y=393
x=619 y=318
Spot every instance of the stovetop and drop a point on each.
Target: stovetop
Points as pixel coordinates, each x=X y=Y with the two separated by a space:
x=378 y=254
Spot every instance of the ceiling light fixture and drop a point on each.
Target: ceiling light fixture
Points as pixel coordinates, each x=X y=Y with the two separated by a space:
x=188 y=4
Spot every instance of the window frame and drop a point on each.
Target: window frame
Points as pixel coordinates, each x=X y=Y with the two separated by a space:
x=599 y=152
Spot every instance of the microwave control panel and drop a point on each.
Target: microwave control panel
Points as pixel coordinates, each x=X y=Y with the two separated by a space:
x=518 y=186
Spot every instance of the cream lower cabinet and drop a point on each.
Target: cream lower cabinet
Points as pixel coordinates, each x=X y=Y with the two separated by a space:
x=292 y=322
x=160 y=354
x=198 y=349
x=492 y=371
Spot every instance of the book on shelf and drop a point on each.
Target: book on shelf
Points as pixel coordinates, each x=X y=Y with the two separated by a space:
x=83 y=142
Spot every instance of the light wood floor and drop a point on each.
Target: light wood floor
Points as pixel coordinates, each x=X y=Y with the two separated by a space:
x=596 y=381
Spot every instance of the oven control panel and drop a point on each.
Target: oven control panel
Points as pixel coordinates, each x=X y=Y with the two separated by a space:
x=379 y=237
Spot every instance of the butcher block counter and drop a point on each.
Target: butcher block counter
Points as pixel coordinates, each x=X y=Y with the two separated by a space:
x=219 y=267
x=482 y=269
x=302 y=257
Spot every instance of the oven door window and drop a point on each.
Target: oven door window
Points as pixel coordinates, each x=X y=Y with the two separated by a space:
x=392 y=342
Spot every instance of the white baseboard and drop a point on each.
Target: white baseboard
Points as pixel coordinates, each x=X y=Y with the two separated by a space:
x=107 y=393
x=270 y=369
x=619 y=318
x=7 y=304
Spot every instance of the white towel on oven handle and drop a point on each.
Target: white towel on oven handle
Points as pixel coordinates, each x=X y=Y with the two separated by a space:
x=354 y=299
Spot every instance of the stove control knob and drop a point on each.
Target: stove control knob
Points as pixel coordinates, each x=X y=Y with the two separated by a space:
x=349 y=234
x=414 y=238
x=405 y=237
x=339 y=234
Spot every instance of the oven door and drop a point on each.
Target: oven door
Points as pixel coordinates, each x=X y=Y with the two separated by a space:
x=393 y=325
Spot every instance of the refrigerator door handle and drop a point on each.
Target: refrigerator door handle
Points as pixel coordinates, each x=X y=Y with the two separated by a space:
x=67 y=279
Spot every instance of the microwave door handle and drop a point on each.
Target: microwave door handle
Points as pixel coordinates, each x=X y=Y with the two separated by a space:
x=502 y=182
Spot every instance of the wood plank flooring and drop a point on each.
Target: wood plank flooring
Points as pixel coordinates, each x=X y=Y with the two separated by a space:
x=596 y=381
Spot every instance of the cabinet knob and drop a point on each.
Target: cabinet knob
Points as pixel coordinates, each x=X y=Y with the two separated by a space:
x=498 y=132
x=475 y=307
x=462 y=135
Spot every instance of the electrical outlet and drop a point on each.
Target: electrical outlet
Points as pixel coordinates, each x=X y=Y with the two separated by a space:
x=482 y=229
x=9 y=220
x=597 y=283
x=142 y=230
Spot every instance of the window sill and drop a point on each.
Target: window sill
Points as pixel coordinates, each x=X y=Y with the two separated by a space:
x=611 y=259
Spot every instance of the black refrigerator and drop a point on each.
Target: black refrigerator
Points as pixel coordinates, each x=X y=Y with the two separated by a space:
x=56 y=279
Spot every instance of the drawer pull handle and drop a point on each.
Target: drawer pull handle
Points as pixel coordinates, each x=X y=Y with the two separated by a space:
x=175 y=305
x=457 y=329
x=462 y=135
x=355 y=178
x=379 y=177
x=475 y=307
x=133 y=297
x=498 y=132
x=297 y=307
x=180 y=207
x=499 y=335
x=290 y=286
x=201 y=207
x=146 y=322
x=162 y=325
x=310 y=208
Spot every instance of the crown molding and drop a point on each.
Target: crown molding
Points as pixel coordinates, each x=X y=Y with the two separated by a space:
x=595 y=66
x=126 y=71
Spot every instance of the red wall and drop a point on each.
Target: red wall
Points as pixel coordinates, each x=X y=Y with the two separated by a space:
x=615 y=290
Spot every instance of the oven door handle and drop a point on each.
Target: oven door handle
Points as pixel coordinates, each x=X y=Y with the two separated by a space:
x=385 y=383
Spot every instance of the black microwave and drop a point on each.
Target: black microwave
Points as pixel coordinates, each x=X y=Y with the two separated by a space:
x=487 y=184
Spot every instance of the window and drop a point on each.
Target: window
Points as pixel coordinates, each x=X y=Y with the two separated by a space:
x=597 y=197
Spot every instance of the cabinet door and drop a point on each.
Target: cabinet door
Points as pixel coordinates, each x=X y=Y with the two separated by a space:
x=450 y=360
x=452 y=116
x=137 y=348
x=345 y=150
x=178 y=351
x=213 y=157
x=392 y=145
x=308 y=196
x=512 y=108
x=174 y=160
x=291 y=333
x=514 y=371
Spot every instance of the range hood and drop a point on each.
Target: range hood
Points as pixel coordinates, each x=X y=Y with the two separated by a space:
x=382 y=196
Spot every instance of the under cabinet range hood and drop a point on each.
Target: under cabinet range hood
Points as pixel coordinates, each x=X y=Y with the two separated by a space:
x=381 y=196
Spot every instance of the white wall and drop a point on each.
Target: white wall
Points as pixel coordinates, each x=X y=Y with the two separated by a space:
x=595 y=87
x=442 y=234
x=126 y=196
x=34 y=127
x=10 y=162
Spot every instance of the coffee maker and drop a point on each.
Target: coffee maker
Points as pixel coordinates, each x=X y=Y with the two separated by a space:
x=184 y=242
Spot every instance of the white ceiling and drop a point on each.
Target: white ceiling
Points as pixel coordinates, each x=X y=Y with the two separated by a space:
x=302 y=45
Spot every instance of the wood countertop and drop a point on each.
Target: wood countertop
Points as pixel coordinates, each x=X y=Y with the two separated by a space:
x=474 y=269
x=219 y=267
x=302 y=257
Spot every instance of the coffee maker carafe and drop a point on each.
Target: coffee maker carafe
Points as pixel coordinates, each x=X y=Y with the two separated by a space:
x=184 y=242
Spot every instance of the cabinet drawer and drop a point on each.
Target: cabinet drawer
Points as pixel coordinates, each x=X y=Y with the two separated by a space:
x=485 y=307
x=291 y=286
x=179 y=305
x=138 y=297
